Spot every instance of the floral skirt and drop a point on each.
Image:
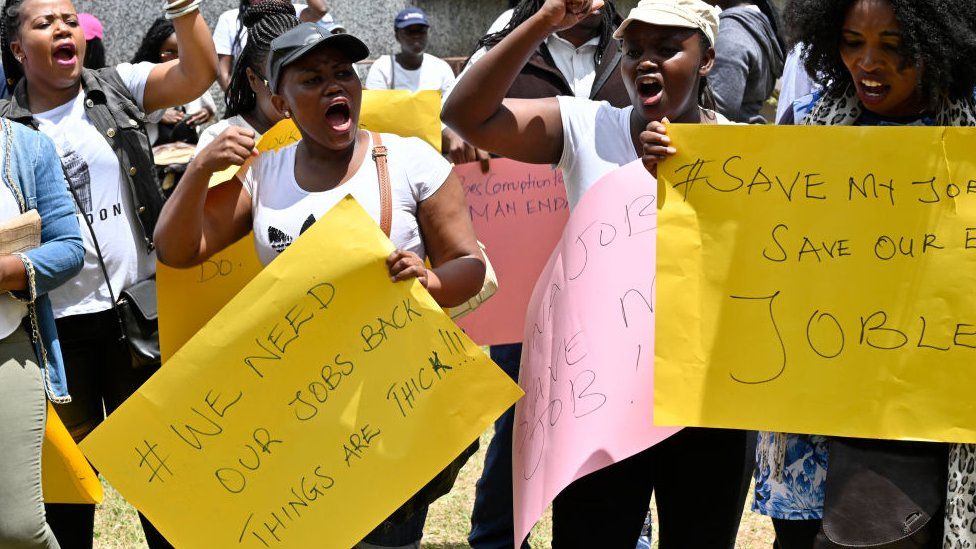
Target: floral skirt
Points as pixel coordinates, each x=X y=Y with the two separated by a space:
x=791 y=473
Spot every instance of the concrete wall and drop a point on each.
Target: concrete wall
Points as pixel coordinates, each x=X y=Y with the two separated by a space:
x=458 y=23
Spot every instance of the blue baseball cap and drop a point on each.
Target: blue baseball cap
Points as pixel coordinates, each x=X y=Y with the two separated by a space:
x=409 y=17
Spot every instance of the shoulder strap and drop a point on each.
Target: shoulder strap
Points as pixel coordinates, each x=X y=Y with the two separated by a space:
x=98 y=251
x=392 y=71
x=383 y=175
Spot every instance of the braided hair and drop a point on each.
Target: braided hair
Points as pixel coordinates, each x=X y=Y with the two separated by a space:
x=9 y=29
x=266 y=21
x=527 y=8
x=241 y=10
x=160 y=30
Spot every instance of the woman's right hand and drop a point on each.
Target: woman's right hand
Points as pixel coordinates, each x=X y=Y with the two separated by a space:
x=655 y=145
x=233 y=147
x=563 y=14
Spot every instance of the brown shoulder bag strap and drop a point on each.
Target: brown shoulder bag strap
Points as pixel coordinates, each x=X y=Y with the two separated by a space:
x=383 y=174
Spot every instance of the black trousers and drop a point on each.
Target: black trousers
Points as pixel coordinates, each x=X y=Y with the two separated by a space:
x=696 y=478
x=100 y=378
x=796 y=534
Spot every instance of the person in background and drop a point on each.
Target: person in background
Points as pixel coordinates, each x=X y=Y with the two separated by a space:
x=413 y=69
x=94 y=45
x=888 y=63
x=230 y=33
x=582 y=61
x=31 y=366
x=178 y=124
x=749 y=58
x=93 y=118
x=248 y=99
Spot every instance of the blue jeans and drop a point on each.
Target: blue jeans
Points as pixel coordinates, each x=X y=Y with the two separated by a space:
x=492 y=523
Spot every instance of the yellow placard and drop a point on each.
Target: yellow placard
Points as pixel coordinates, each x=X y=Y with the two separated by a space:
x=188 y=298
x=403 y=113
x=818 y=280
x=66 y=476
x=387 y=111
x=311 y=407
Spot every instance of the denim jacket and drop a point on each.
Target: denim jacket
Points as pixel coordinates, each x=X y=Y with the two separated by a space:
x=32 y=170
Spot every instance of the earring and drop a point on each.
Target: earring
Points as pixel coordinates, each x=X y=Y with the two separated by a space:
x=287 y=114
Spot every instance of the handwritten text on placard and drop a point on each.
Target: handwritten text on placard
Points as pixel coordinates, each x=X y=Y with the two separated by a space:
x=518 y=211
x=587 y=367
x=313 y=405
x=825 y=273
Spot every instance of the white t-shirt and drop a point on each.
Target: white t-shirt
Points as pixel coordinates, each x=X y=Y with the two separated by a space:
x=282 y=210
x=12 y=312
x=596 y=141
x=213 y=130
x=434 y=74
x=577 y=65
x=95 y=175
x=225 y=31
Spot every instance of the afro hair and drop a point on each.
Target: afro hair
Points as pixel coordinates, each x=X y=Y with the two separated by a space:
x=937 y=35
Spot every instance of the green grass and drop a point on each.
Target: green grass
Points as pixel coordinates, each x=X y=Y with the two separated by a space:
x=117 y=524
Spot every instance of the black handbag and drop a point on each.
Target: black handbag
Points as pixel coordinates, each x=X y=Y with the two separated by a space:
x=139 y=317
x=885 y=494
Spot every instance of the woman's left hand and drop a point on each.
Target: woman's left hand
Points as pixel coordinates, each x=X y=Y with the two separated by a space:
x=404 y=265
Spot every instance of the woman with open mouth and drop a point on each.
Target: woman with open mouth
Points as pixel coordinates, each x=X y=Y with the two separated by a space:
x=883 y=63
x=96 y=119
x=418 y=201
x=668 y=52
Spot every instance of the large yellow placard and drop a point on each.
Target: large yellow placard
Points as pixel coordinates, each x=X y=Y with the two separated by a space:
x=818 y=280
x=312 y=406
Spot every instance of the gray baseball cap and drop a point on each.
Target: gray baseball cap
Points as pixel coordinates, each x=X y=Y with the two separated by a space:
x=294 y=44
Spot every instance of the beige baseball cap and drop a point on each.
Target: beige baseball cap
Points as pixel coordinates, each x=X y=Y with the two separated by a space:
x=689 y=14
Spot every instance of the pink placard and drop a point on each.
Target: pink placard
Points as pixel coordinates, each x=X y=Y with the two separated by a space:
x=588 y=359
x=519 y=211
